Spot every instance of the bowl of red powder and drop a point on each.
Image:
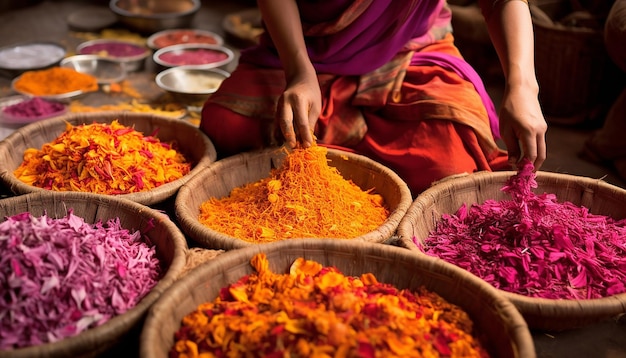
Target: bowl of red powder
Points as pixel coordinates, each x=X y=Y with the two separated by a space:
x=20 y=110
x=194 y=55
x=183 y=36
x=131 y=54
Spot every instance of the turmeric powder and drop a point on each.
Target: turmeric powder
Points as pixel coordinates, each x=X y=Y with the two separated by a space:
x=305 y=197
x=55 y=80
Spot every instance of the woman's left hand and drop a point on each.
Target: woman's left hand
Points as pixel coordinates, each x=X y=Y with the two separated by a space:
x=522 y=126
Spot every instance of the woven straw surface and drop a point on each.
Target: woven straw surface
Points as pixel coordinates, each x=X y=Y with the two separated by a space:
x=506 y=333
x=170 y=245
x=222 y=176
x=598 y=196
x=192 y=142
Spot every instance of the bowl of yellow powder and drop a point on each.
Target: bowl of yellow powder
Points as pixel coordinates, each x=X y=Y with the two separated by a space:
x=273 y=195
x=55 y=83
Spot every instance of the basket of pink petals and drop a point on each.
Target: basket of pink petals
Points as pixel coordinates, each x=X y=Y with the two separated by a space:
x=79 y=272
x=554 y=244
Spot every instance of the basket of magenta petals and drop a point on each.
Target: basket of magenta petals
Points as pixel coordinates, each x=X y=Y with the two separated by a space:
x=79 y=271
x=554 y=244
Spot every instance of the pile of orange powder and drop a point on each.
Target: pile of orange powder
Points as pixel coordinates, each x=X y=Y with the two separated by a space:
x=305 y=197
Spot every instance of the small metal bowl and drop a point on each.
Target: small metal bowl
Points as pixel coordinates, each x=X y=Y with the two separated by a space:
x=104 y=69
x=19 y=58
x=60 y=97
x=131 y=55
x=172 y=37
x=191 y=84
x=194 y=55
x=150 y=16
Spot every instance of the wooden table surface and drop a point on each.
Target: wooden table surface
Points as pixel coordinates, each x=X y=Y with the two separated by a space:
x=47 y=20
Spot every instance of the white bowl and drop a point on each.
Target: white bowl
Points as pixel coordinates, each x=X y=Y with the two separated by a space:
x=28 y=56
x=191 y=83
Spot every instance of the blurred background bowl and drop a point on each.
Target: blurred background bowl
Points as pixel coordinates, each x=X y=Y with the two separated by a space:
x=183 y=36
x=130 y=54
x=150 y=16
x=61 y=97
x=104 y=69
x=191 y=84
x=194 y=55
x=18 y=58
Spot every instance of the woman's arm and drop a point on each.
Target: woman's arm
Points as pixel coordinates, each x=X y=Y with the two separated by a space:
x=522 y=124
x=301 y=103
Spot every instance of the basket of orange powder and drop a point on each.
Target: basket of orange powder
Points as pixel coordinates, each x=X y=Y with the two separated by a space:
x=553 y=244
x=141 y=157
x=340 y=298
x=275 y=194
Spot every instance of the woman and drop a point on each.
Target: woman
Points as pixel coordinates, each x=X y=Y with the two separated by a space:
x=384 y=79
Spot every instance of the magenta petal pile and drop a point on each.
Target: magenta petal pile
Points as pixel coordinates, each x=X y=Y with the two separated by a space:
x=534 y=245
x=59 y=277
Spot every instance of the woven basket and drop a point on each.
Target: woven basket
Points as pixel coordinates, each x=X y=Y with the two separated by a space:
x=170 y=246
x=494 y=317
x=571 y=63
x=193 y=144
x=448 y=196
x=220 y=178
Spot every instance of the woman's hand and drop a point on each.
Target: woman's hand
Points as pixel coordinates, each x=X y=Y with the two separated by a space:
x=299 y=108
x=522 y=126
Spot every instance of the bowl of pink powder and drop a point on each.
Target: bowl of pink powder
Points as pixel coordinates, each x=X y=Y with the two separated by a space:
x=130 y=54
x=194 y=55
x=22 y=109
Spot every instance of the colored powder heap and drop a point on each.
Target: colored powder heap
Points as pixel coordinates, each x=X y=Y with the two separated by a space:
x=33 y=108
x=63 y=276
x=534 y=245
x=316 y=311
x=104 y=159
x=55 y=80
x=303 y=198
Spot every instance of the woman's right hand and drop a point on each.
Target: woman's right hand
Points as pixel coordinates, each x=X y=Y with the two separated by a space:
x=299 y=108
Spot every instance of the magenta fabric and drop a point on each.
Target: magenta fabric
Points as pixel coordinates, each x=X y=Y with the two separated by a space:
x=363 y=45
x=467 y=72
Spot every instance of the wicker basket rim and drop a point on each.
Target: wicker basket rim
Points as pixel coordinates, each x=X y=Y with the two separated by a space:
x=149 y=197
x=520 y=333
x=184 y=213
x=108 y=332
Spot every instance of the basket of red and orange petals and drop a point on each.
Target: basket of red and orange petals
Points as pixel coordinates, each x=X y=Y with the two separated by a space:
x=325 y=297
